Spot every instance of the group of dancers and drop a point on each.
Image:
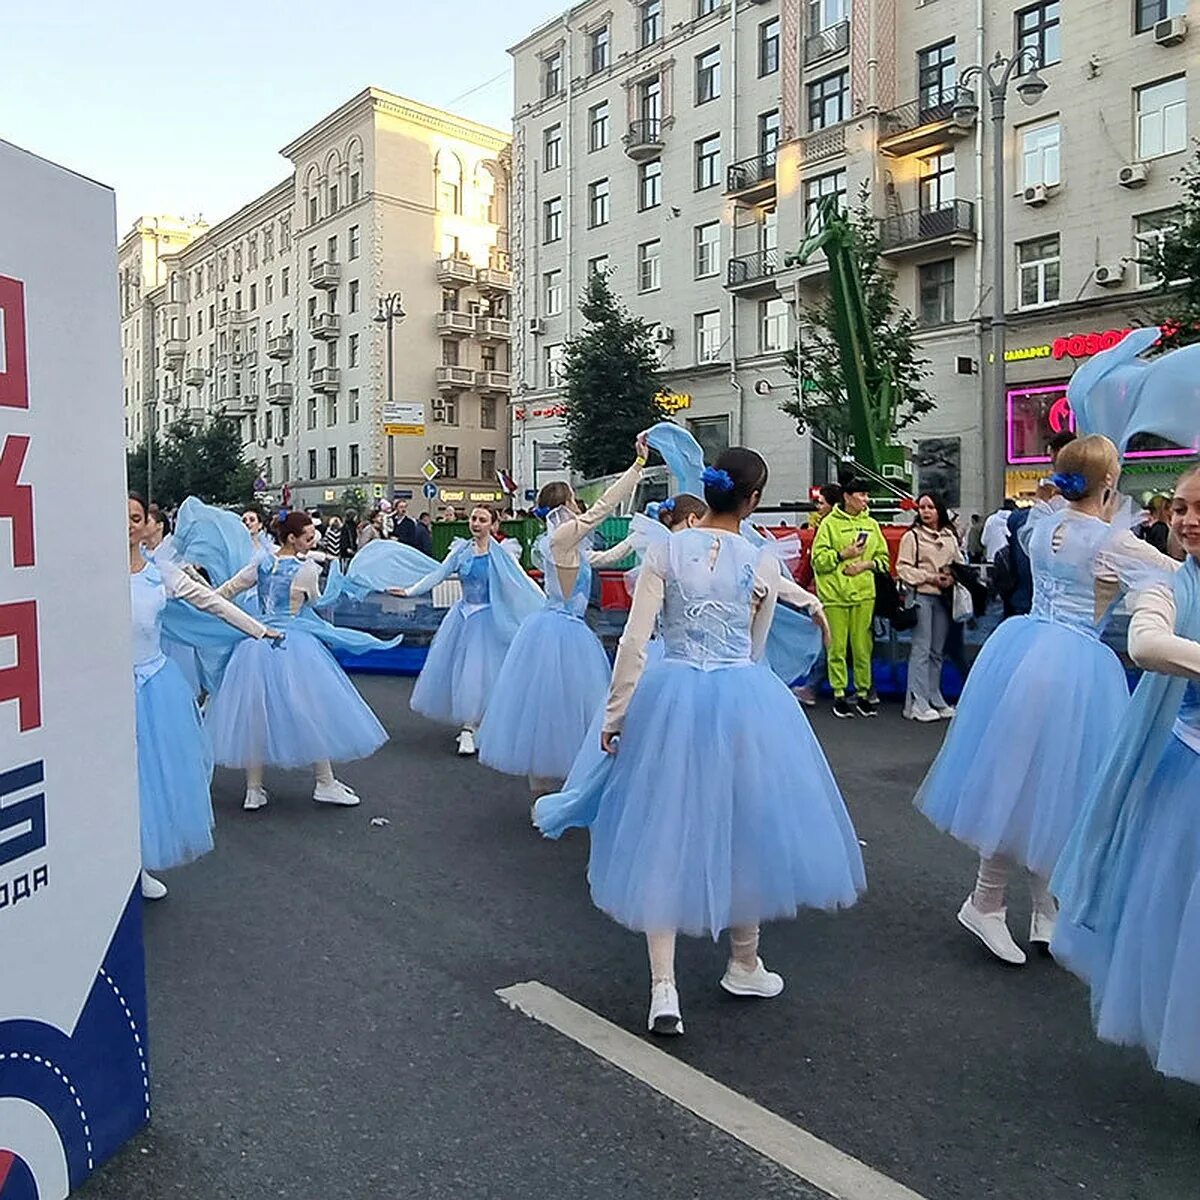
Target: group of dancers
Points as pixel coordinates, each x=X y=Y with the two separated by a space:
x=708 y=800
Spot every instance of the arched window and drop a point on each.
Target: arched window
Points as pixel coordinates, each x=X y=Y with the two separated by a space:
x=449 y=182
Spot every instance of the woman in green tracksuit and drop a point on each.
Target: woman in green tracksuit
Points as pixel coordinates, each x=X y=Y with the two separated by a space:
x=847 y=551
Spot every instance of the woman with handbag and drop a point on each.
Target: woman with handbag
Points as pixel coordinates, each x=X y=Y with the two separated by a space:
x=926 y=553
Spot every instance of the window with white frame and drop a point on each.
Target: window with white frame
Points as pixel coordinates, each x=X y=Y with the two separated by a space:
x=831 y=185
x=1039 y=267
x=333 y=462
x=649 y=103
x=355 y=464
x=708 y=75
x=704 y=7
x=937 y=76
x=354 y=407
x=650 y=22
x=650 y=184
x=597 y=265
x=487 y=420
x=1039 y=28
x=1149 y=233
x=708 y=162
x=935 y=292
x=352 y=350
x=552 y=217
x=1162 y=118
x=597 y=203
x=825 y=14
x=649 y=258
x=552 y=292
x=772 y=325
x=708 y=250
x=552 y=74
x=598 y=126
x=312 y=464
x=552 y=147
x=552 y=360
x=768 y=230
x=1040 y=154
x=598 y=49
x=1148 y=13
x=829 y=100
x=768 y=133
x=936 y=190
x=708 y=336
x=768 y=47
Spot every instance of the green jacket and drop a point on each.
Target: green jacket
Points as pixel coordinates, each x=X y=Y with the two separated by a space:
x=835 y=532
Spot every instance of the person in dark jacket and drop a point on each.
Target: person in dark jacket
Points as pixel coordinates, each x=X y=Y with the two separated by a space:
x=424 y=534
x=404 y=528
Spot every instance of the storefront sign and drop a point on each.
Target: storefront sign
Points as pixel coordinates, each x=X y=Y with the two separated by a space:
x=673 y=402
x=553 y=410
x=453 y=495
x=1074 y=345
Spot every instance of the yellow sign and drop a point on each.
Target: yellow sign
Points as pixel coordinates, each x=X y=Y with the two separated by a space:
x=401 y=419
x=450 y=495
x=404 y=430
x=330 y=494
x=429 y=469
x=673 y=402
x=486 y=497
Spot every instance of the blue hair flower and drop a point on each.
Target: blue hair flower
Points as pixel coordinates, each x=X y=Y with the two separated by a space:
x=653 y=509
x=718 y=480
x=1073 y=486
x=668 y=505
x=541 y=512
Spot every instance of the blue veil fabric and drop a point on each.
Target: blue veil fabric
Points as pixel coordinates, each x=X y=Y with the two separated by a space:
x=682 y=454
x=212 y=538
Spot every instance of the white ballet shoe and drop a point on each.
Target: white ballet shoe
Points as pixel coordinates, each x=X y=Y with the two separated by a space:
x=664 y=1018
x=739 y=981
x=256 y=798
x=152 y=889
x=1042 y=923
x=992 y=930
x=466 y=743
x=335 y=792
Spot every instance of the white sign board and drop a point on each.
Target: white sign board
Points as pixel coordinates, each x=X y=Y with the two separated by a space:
x=73 y=1070
x=401 y=419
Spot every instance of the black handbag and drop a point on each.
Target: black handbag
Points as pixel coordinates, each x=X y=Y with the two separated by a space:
x=890 y=606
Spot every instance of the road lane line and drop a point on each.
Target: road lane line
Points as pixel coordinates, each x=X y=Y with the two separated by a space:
x=790 y=1147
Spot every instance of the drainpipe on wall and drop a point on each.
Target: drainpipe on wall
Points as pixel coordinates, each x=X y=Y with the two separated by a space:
x=980 y=46
x=739 y=436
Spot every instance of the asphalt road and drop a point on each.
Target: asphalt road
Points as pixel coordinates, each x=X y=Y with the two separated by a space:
x=324 y=1022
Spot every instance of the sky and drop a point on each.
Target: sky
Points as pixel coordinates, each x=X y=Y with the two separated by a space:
x=182 y=107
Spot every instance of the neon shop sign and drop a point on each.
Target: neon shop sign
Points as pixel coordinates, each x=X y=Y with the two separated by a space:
x=1074 y=345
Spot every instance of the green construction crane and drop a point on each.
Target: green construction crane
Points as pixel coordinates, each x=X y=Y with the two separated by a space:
x=871 y=392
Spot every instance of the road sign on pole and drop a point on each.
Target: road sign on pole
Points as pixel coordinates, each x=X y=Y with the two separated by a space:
x=430 y=470
x=401 y=419
x=430 y=491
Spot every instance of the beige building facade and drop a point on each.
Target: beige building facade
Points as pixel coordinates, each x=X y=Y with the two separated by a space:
x=271 y=316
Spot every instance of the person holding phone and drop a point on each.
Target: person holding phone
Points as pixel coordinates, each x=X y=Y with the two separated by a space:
x=847 y=551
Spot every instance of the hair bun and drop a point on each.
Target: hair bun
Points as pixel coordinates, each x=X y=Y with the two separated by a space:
x=717 y=479
x=1073 y=486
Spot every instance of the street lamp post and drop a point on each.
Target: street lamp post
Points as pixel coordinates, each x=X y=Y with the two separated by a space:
x=996 y=76
x=390 y=311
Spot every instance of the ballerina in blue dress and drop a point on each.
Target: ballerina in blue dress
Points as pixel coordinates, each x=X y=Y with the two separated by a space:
x=720 y=811
x=536 y=731
x=173 y=752
x=468 y=650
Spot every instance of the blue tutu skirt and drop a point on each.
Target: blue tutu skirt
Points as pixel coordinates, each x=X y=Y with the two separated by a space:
x=555 y=675
x=720 y=809
x=1146 y=980
x=460 y=671
x=1040 y=710
x=289 y=706
x=174 y=771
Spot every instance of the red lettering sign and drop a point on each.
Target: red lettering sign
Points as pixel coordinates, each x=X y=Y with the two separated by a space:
x=14 y=380
x=16 y=500
x=1084 y=345
x=22 y=682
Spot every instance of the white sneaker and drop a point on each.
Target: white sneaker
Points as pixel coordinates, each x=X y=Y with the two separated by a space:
x=944 y=711
x=256 y=798
x=1041 y=925
x=992 y=930
x=466 y=743
x=335 y=792
x=921 y=711
x=152 y=889
x=759 y=982
x=664 y=1016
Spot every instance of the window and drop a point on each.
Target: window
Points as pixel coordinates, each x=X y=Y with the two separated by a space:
x=937 y=181
x=650 y=25
x=768 y=47
x=1162 y=118
x=708 y=75
x=1150 y=12
x=333 y=198
x=1038 y=265
x=352 y=397
x=312 y=464
x=450 y=411
x=487 y=416
x=1040 y=154
x=285 y=424
x=768 y=232
x=828 y=100
x=704 y=7
x=285 y=280
x=650 y=102
x=552 y=143
x=352 y=351
x=269 y=290
x=650 y=184
x=254 y=297
x=598 y=126
x=313 y=214
x=487 y=463
x=331 y=412
x=355 y=242
x=712 y=433
x=552 y=214
x=285 y=468
x=355 y=465
x=332 y=462
x=450 y=353
x=552 y=74
x=768 y=134
x=935 y=292
x=449 y=182
x=649 y=257
x=312 y=412
x=708 y=162
x=449 y=461
x=815 y=191
x=597 y=203
x=937 y=76
x=708 y=336
x=598 y=46
x=552 y=292
x=772 y=325
x=708 y=250
x=1038 y=27
x=353 y=294
x=552 y=362
x=597 y=265
x=355 y=187
x=1149 y=233
x=825 y=14
x=331 y=248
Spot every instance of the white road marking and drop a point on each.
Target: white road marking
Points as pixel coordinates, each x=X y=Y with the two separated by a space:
x=790 y=1147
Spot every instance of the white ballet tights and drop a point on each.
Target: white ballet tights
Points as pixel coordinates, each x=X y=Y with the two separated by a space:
x=991 y=884
x=323 y=770
x=743 y=946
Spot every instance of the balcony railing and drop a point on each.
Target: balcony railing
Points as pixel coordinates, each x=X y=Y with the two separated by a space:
x=825 y=143
x=493 y=328
x=279 y=393
x=325 y=325
x=493 y=381
x=326 y=379
x=172 y=395
x=752 y=174
x=954 y=225
x=495 y=279
x=920 y=125
x=194 y=377
x=325 y=274
x=644 y=139
x=752 y=269
x=454 y=323
x=237 y=406
x=232 y=316
x=455 y=271
x=827 y=42
x=454 y=378
x=174 y=350
x=280 y=347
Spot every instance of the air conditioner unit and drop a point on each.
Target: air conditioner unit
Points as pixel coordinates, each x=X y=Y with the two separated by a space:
x=537 y=325
x=1037 y=195
x=664 y=335
x=437 y=450
x=439 y=412
x=1109 y=274
x=1134 y=175
x=1170 y=32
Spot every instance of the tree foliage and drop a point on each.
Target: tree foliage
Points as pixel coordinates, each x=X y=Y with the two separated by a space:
x=611 y=376
x=194 y=458
x=1174 y=259
x=820 y=401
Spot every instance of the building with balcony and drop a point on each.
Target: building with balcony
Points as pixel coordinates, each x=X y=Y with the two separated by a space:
x=266 y=317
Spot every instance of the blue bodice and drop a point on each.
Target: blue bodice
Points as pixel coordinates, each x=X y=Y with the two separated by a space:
x=148 y=598
x=474 y=573
x=708 y=599
x=275 y=577
x=1063 y=567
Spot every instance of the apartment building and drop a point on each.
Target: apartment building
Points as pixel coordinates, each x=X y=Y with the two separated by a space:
x=823 y=98
x=271 y=317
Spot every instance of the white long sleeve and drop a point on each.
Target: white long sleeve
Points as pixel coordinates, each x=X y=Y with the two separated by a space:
x=790 y=592
x=243 y=581
x=631 y=652
x=183 y=587
x=1153 y=643
x=614 y=554
x=565 y=539
x=439 y=574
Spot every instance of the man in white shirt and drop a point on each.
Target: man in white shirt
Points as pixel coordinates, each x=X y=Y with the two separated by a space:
x=995 y=530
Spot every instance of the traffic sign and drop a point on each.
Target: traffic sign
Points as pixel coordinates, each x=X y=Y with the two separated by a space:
x=404 y=419
x=430 y=491
x=430 y=470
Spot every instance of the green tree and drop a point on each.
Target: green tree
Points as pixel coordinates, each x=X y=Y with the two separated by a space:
x=354 y=499
x=611 y=375
x=1174 y=259
x=195 y=458
x=820 y=401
